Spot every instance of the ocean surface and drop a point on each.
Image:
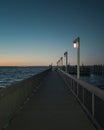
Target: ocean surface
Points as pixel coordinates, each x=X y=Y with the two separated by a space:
x=96 y=80
x=10 y=75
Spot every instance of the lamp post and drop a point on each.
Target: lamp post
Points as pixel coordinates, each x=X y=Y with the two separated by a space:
x=76 y=44
x=57 y=64
x=61 y=62
x=66 y=55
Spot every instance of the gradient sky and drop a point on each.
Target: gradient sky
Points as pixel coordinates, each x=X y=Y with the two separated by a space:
x=38 y=32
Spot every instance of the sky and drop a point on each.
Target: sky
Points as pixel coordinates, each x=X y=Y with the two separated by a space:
x=38 y=32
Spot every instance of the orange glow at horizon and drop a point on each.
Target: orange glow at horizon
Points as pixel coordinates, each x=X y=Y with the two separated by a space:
x=23 y=63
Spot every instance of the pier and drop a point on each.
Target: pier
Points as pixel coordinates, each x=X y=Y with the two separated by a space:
x=98 y=70
x=52 y=65
x=52 y=100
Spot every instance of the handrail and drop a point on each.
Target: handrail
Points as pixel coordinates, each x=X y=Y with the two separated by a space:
x=86 y=85
x=90 y=97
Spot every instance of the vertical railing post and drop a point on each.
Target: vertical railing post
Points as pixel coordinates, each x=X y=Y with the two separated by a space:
x=83 y=95
x=77 y=89
x=93 y=111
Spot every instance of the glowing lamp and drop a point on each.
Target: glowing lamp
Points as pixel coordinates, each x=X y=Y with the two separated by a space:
x=75 y=44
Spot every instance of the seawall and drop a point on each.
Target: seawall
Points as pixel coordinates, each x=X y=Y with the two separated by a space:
x=13 y=97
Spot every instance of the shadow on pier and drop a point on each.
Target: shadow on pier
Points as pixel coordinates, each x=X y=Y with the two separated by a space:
x=52 y=107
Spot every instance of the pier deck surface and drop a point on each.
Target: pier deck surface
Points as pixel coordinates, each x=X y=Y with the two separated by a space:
x=52 y=107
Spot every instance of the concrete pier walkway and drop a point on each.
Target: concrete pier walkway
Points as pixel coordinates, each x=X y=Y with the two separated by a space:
x=52 y=107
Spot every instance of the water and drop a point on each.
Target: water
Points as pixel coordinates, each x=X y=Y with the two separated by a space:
x=11 y=75
x=95 y=80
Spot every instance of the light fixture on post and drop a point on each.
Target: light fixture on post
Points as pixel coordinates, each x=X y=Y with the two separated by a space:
x=76 y=44
x=66 y=55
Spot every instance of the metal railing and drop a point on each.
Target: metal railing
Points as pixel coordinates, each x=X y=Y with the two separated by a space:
x=90 y=97
x=13 y=97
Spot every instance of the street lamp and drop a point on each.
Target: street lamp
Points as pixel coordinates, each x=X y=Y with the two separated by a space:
x=76 y=44
x=57 y=63
x=66 y=55
x=61 y=61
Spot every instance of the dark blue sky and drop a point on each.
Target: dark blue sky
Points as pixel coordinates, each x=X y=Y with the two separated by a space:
x=38 y=32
